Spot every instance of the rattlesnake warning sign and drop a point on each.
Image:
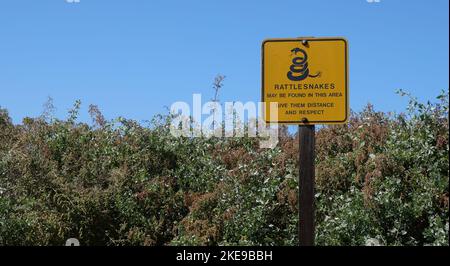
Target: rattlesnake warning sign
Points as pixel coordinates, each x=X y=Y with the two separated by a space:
x=306 y=79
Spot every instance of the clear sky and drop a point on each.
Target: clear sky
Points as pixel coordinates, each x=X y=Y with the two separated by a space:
x=133 y=57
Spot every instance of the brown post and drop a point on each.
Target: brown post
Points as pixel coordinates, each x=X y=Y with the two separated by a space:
x=306 y=184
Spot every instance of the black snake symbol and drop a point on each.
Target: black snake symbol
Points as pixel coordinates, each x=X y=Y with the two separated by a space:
x=300 y=66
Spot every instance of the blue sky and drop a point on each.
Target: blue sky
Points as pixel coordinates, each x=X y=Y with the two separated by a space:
x=133 y=57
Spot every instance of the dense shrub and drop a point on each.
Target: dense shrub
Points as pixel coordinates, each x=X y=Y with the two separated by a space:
x=381 y=179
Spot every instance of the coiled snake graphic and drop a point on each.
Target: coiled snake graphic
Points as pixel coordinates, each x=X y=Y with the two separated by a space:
x=299 y=68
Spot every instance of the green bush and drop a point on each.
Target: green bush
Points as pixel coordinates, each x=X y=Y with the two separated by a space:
x=380 y=180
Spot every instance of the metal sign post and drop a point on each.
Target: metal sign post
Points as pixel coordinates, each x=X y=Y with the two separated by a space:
x=306 y=184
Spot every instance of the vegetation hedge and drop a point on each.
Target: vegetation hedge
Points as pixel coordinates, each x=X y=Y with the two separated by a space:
x=383 y=179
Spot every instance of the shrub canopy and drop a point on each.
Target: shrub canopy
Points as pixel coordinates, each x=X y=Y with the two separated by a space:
x=381 y=179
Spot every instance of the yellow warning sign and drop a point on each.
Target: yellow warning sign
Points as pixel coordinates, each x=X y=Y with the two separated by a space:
x=307 y=78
